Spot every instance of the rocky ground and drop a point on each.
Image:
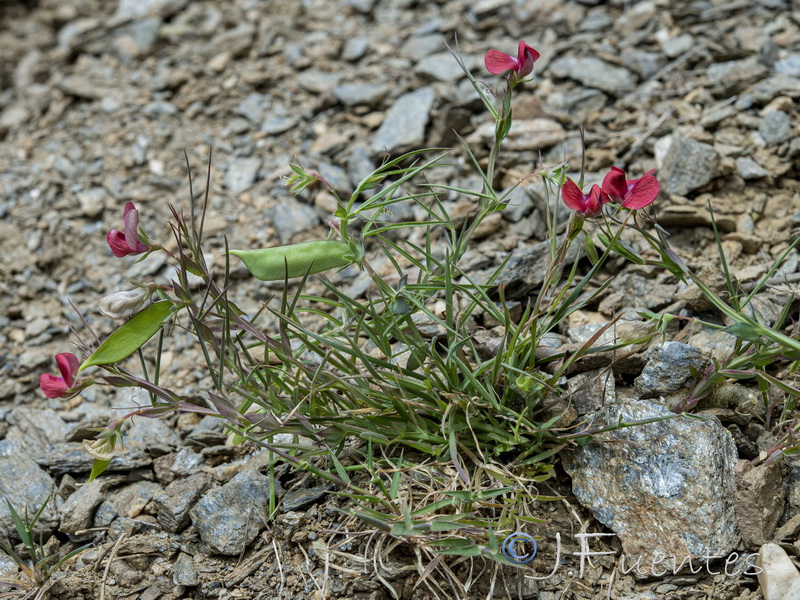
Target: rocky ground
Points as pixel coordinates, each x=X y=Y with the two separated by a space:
x=101 y=98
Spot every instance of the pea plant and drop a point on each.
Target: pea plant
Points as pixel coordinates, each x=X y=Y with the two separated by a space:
x=450 y=436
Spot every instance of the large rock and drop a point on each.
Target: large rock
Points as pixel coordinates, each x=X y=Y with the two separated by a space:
x=665 y=488
x=405 y=122
x=594 y=73
x=687 y=164
x=230 y=517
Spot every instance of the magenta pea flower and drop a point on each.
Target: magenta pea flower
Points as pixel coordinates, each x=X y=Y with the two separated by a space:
x=58 y=387
x=589 y=205
x=498 y=62
x=631 y=193
x=127 y=242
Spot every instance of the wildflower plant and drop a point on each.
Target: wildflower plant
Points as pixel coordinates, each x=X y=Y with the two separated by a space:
x=451 y=439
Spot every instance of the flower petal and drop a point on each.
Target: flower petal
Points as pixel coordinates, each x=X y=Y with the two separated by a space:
x=614 y=184
x=642 y=192
x=131 y=219
x=498 y=62
x=117 y=243
x=526 y=56
x=52 y=386
x=595 y=201
x=68 y=365
x=572 y=196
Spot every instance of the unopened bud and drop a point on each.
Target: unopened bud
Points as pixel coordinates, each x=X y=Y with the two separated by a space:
x=124 y=304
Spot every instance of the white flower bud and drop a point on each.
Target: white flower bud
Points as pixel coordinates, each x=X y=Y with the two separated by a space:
x=124 y=304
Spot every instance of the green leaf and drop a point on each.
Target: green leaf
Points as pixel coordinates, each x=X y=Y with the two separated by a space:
x=130 y=336
x=743 y=331
x=98 y=466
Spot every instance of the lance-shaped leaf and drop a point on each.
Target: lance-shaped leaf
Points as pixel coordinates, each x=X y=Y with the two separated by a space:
x=130 y=336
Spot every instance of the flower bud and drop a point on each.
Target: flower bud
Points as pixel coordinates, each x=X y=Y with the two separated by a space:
x=124 y=304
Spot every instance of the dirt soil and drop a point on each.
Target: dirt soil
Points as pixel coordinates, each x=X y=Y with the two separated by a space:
x=100 y=99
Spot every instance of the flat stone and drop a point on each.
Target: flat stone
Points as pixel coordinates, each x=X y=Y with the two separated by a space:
x=241 y=174
x=750 y=169
x=404 y=124
x=687 y=165
x=25 y=485
x=184 y=572
x=440 y=67
x=525 y=134
x=669 y=369
x=228 y=518
x=776 y=127
x=594 y=73
x=78 y=510
x=665 y=488
x=354 y=94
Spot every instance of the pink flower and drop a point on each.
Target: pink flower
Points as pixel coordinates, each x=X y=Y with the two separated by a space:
x=127 y=242
x=57 y=387
x=631 y=193
x=590 y=205
x=497 y=62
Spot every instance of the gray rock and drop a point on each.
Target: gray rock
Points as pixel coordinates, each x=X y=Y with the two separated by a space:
x=71 y=458
x=355 y=48
x=439 y=67
x=766 y=90
x=789 y=65
x=150 y=434
x=733 y=76
x=776 y=127
x=277 y=125
x=486 y=8
x=594 y=73
x=230 y=517
x=779 y=579
x=362 y=6
x=160 y=108
x=183 y=571
x=525 y=134
x=187 y=462
x=750 y=169
x=130 y=500
x=405 y=122
x=669 y=369
x=254 y=107
x=133 y=9
x=302 y=498
x=354 y=94
x=24 y=485
x=645 y=64
x=359 y=165
x=665 y=488
x=92 y=201
x=290 y=217
x=596 y=20
x=687 y=165
x=144 y=34
x=241 y=174
x=527 y=269
x=174 y=504
x=318 y=82
x=208 y=432
x=675 y=46
x=519 y=204
x=420 y=46
x=78 y=510
x=231 y=41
